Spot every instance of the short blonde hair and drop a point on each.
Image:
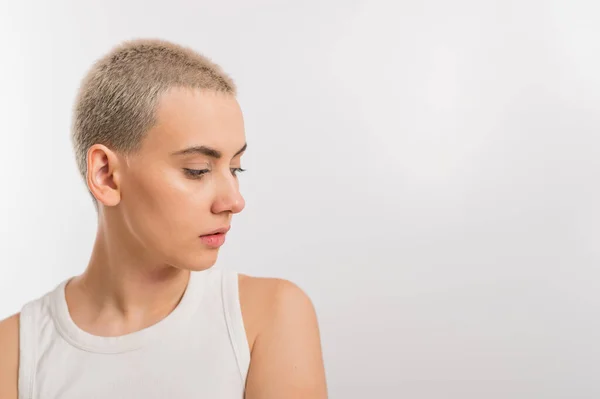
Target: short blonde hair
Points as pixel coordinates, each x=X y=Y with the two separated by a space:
x=116 y=103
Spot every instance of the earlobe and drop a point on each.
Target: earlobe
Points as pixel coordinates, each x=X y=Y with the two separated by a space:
x=103 y=174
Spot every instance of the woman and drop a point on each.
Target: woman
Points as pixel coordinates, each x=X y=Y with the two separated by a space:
x=158 y=137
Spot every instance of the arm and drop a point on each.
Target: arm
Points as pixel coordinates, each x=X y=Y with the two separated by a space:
x=9 y=357
x=286 y=355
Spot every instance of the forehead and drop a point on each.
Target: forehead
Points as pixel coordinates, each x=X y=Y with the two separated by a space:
x=191 y=117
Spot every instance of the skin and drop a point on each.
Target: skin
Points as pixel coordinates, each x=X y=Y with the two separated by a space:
x=151 y=214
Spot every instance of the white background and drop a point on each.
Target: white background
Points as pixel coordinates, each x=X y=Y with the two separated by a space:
x=426 y=170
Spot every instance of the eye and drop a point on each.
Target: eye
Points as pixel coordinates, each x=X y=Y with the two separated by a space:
x=195 y=173
x=235 y=171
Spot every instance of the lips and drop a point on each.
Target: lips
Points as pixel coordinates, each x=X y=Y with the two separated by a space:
x=215 y=238
x=222 y=230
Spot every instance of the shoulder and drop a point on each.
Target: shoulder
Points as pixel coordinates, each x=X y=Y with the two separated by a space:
x=9 y=361
x=267 y=301
x=276 y=292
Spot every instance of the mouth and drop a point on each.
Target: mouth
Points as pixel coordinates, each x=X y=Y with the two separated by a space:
x=215 y=238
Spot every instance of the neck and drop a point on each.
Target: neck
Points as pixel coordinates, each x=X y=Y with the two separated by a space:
x=122 y=290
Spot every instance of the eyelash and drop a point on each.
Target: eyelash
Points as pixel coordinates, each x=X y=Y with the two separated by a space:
x=198 y=173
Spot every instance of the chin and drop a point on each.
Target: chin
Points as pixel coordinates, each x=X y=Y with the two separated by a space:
x=203 y=261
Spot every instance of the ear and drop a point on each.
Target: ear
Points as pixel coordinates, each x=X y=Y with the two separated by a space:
x=103 y=174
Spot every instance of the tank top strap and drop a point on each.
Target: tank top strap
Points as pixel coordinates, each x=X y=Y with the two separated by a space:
x=235 y=322
x=33 y=320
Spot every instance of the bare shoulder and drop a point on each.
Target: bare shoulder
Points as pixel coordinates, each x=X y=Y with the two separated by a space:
x=275 y=292
x=264 y=300
x=9 y=361
x=282 y=327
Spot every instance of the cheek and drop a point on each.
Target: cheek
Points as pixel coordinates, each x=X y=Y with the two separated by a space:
x=174 y=202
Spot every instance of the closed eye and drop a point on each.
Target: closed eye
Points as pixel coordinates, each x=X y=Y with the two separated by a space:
x=195 y=173
x=198 y=173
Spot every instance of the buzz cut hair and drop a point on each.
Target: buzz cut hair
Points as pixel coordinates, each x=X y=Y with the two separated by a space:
x=117 y=100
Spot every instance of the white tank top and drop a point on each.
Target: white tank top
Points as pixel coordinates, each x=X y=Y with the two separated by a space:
x=199 y=350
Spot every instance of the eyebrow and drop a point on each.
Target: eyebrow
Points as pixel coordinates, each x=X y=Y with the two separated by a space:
x=208 y=151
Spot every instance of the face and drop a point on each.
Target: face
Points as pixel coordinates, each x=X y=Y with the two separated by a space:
x=182 y=185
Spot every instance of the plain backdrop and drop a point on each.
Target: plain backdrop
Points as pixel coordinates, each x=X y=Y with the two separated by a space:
x=427 y=171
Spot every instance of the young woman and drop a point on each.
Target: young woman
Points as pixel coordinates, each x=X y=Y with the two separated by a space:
x=158 y=137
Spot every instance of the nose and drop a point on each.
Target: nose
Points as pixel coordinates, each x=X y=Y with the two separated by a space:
x=228 y=197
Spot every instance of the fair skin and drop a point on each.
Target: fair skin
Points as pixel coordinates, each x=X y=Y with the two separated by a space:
x=152 y=211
